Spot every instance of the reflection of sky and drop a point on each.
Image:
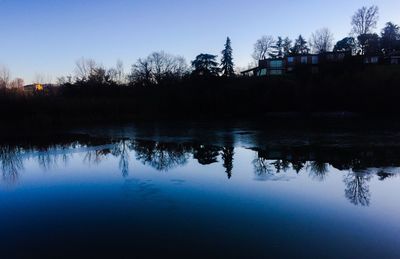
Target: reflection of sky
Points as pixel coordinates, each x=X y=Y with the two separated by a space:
x=308 y=209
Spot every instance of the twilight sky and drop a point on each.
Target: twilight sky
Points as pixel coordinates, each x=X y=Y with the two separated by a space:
x=47 y=36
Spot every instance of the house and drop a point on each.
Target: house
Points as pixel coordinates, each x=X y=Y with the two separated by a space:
x=310 y=62
x=313 y=63
x=37 y=88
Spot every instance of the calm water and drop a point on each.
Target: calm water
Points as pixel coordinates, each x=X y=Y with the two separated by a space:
x=234 y=192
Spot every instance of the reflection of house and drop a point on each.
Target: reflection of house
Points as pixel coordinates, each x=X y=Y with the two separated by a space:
x=313 y=62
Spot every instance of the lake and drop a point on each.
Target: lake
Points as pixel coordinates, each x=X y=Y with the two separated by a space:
x=202 y=190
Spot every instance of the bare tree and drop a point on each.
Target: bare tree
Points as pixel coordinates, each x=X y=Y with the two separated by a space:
x=5 y=77
x=17 y=83
x=141 y=73
x=84 y=68
x=263 y=47
x=322 y=40
x=157 y=67
x=365 y=20
x=120 y=74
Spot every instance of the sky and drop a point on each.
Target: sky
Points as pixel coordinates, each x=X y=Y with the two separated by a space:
x=47 y=37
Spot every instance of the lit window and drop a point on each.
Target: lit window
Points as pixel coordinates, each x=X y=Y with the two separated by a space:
x=374 y=60
x=263 y=72
x=290 y=59
x=304 y=60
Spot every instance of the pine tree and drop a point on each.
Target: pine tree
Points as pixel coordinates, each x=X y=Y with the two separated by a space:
x=287 y=47
x=227 y=60
x=300 y=46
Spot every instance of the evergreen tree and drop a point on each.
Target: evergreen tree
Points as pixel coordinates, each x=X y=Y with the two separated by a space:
x=227 y=60
x=346 y=44
x=205 y=65
x=390 y=38
x=287 y=47
x=300 y=46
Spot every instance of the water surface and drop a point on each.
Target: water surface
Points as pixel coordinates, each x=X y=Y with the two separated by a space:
x=201 y=191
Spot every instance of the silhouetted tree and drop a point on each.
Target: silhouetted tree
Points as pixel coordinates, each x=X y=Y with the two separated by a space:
x=322 y=40
x=227 y=66
x=287 y=46
x=17 y=83
x=83 y=69
x=205 y=65
x=346 y=44
x=365 y=20
x=4 y=77
x=370 y=43
x=227 y=157
x=158 y=67
x=390 y=38
x=300 y=46
x=363 y=23
x=120 y=74
x=141 y=74
x=263 y=47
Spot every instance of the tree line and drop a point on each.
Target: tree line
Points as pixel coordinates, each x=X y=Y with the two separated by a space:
x=163 y=68
x=361 y=40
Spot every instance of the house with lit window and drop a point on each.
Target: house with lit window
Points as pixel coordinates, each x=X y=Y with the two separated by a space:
x=306 y=62
x=37 y=88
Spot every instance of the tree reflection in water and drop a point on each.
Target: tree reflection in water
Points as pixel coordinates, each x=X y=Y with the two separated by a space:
x=318 y=170
x=269 y=164
x=121 y=150
x=95 y=157
x=357 y=188
x=227 y=154
x=206 y=155
x=161 y=156
x=11 y=162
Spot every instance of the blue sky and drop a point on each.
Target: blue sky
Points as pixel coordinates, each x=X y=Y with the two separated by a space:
x=47 y=36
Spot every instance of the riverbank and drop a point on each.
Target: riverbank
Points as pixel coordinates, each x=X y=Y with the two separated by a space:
x=371 y=91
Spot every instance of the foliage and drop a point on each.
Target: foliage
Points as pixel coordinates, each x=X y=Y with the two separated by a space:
x=205 y=65
x=345 y=44
x=300 y=46
x=370 y=43
x=227 y=66
x=390 y=38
